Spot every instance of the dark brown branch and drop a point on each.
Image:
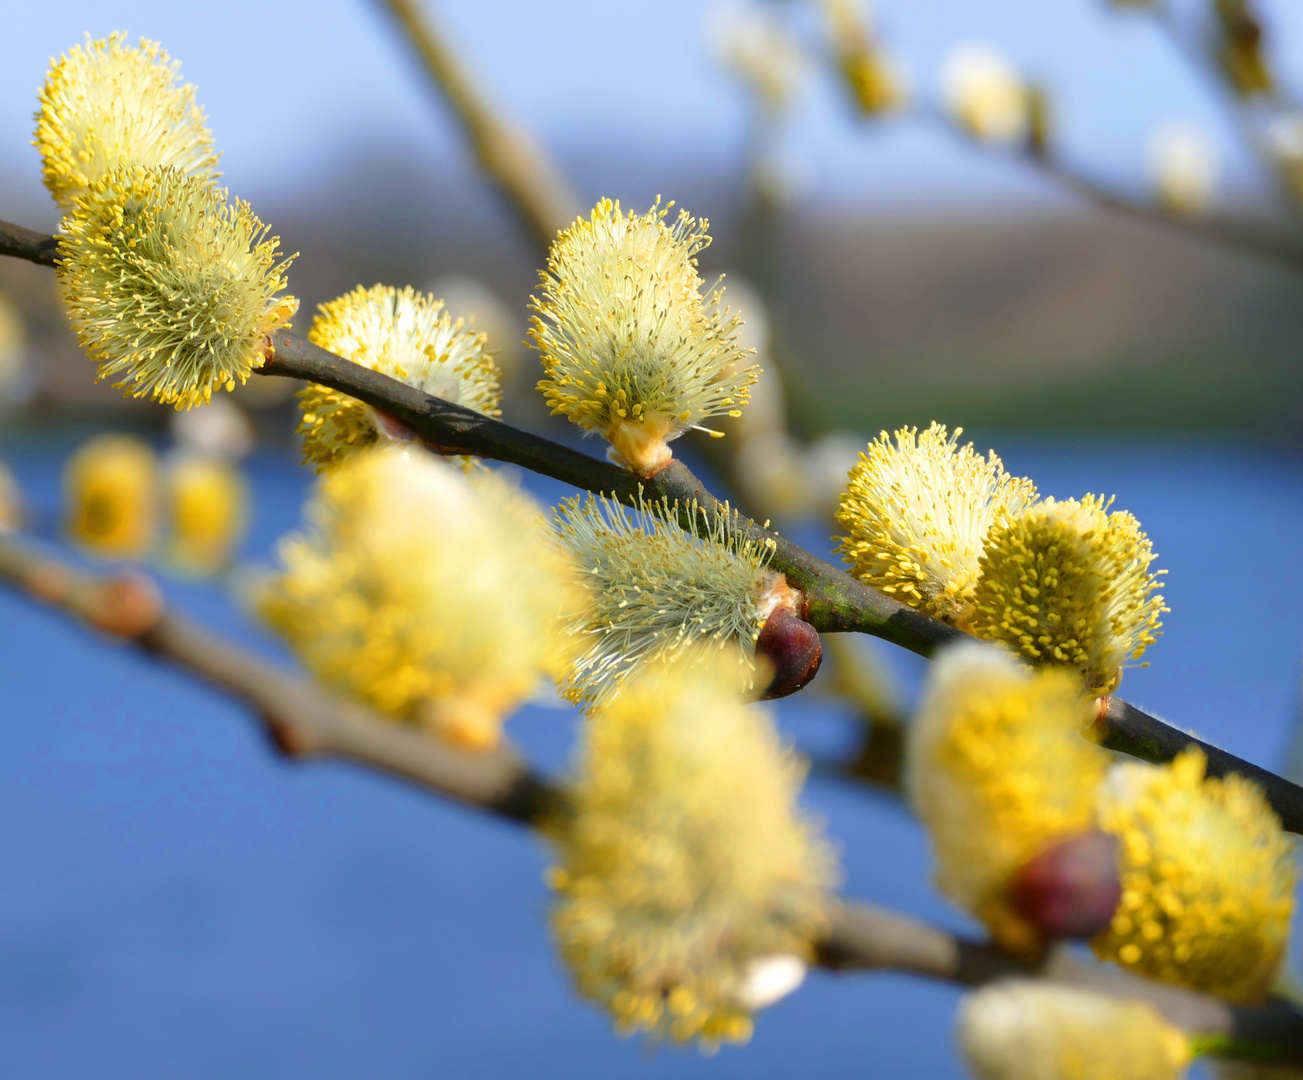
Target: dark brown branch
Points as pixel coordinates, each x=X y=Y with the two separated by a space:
x=1131 y=731
x=40 y=248
x=835 y=601
x=304 y=723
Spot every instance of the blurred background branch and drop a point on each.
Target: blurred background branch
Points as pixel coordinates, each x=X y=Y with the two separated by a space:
x=304 y=723
x=514 y=161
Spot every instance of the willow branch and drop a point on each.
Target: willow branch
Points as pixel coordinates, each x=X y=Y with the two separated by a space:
x=300 y=720
x=834 y=601
x=519 y=168
x=303 y=723
x=21 y=243
x=1281 y=245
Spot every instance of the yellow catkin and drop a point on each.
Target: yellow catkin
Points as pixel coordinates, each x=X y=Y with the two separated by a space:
x=170 y=287
x=998 y=768
x=871 y=74
x=106 y=105
x=1026 y=1030
x=630 y=347
x=985 y=95
x=433 y=597
x=685 y=865
x=402 y=333
x=916 y=513
x=1207 y=878
x=1066 y=582
x=207 y=508
x=658 y=591
x=111 y=497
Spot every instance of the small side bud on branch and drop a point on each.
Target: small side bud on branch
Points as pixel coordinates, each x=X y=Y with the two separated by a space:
x=1071 y=889
x=791 y=646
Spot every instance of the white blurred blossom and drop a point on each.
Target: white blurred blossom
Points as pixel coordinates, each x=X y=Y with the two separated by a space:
x=984 y=93
x=1183 y=166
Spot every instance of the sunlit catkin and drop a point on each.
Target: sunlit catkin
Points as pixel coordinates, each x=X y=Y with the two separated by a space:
x=916 y=512
x=1207 y=878
x=657 y=590
x=873 y=76
x=1022 y=1029
x=687 y=877
x=430 y=596
x=110 y=490
x=1182 y=163
x=105 y=105
x=997 y=768
x=206 y=505
x=1067 y=582
x=630 y=347
x=985 y=95
x=402 y=333
x=170 y=287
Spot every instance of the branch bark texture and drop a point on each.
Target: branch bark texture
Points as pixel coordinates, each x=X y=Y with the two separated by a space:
x=835 y=602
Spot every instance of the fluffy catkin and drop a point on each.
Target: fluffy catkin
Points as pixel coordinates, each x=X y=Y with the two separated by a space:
x=1207 y=878
x=916 y=513
x=1067 y=582
x=402 y=333
x=998 y=767
x=111 y=494
x=170 y=287
x=658 y=591
x=106 y=105
x=630 y=347
x=433 y=597
x=1021 y=1029
x=685 y=868
x=207 y=509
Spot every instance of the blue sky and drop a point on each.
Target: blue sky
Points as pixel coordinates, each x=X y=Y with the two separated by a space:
x=294 y=89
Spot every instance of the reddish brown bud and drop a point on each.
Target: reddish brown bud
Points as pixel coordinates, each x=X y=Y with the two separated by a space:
x=792 y=647
x=1071 y=889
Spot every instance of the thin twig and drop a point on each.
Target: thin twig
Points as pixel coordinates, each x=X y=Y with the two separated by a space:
x=522 y=172
x=1281 y=245
x=834 y=601
x=302 y=723
x=299 y=719
x=21 y=243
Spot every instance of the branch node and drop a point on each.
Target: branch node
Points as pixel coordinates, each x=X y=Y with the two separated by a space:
x=125 y=606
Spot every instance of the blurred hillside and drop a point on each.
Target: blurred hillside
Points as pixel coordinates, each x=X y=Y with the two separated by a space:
x=1035 y=319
